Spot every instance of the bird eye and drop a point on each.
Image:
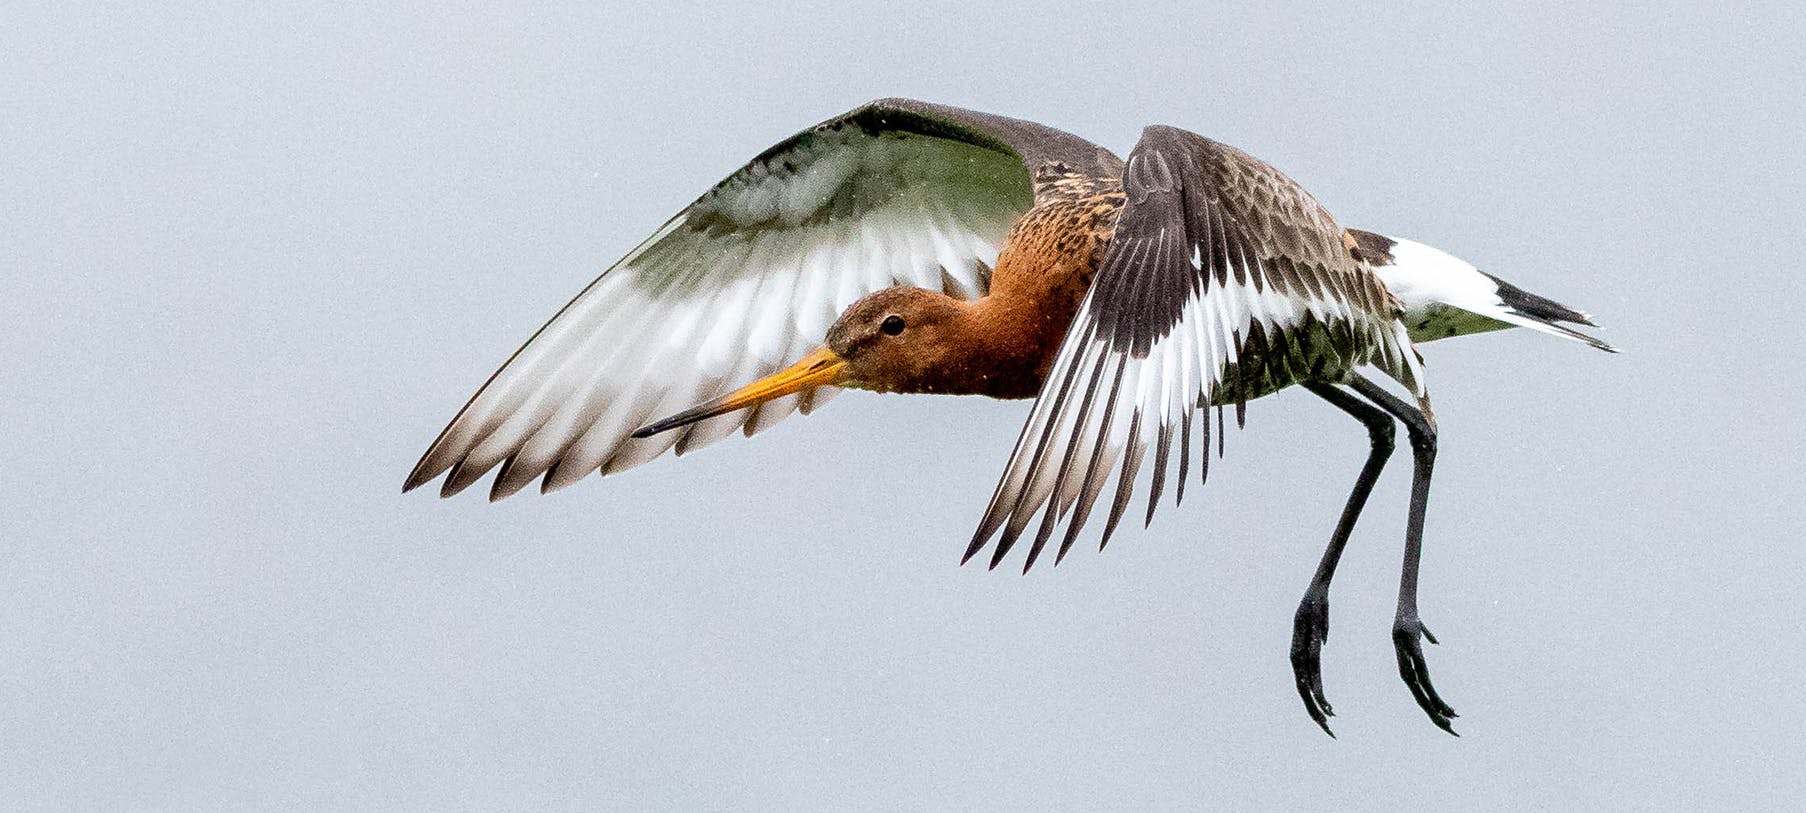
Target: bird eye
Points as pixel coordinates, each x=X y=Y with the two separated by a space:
x=893 y=325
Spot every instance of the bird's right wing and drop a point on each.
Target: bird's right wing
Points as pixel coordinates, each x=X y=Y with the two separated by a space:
x=1221 y=271
x=746 y=280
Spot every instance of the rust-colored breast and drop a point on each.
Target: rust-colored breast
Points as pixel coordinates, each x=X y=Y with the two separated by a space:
x=1042 y=276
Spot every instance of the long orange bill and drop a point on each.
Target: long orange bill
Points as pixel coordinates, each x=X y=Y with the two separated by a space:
x=818 y=369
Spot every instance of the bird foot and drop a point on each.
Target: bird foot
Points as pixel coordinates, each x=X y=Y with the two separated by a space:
x=1310 y=628
x=1407 y=636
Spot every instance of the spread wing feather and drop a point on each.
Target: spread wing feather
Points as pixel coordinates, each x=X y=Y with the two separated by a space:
x=1224 y=280
x=745 y=281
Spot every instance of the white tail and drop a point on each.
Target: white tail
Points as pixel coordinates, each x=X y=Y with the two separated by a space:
x=1445 y=296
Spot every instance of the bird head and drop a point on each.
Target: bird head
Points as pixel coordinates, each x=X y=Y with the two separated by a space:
x=889 y=341
x=893 y=340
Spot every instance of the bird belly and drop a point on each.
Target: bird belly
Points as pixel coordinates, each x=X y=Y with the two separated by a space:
x=1270 y=359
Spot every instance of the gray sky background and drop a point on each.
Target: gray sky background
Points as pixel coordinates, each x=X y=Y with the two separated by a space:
x=253 y=260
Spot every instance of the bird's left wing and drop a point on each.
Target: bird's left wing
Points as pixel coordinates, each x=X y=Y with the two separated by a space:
x=1221 y=271
x=747 y=279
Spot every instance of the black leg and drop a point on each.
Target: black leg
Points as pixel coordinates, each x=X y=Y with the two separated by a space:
x=1407 y=630
x=1310 y=625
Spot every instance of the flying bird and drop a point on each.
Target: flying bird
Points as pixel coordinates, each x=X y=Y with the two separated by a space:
x=919 y=248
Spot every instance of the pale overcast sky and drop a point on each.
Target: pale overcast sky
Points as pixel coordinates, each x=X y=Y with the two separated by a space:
x=255 y=259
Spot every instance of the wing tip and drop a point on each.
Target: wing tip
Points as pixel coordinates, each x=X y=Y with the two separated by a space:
x=972 y=550
x=554 y=481
x=424 y=471
x=454 y=483
x=507 y=485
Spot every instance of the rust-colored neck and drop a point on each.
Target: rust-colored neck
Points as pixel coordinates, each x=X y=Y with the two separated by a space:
x=995 y=346
x=1010 y=342
x=1003 y=344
